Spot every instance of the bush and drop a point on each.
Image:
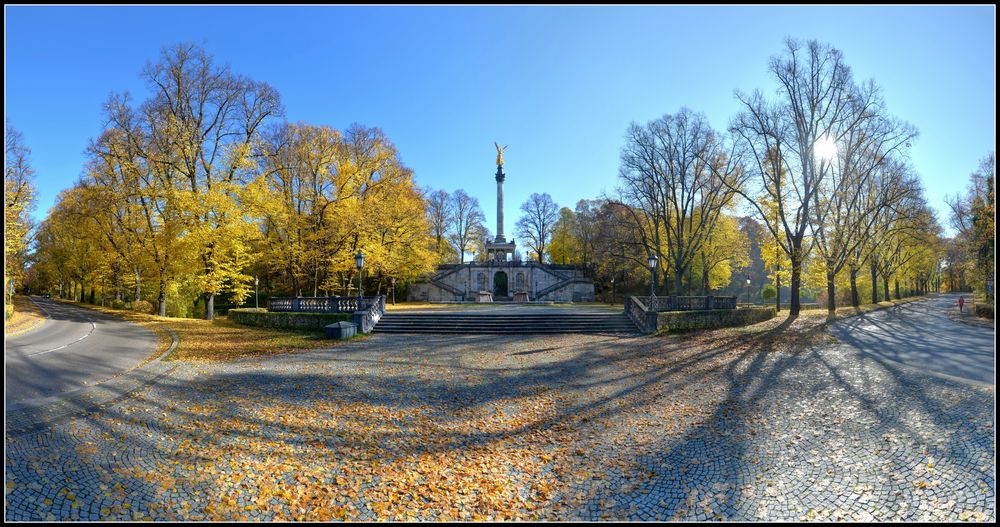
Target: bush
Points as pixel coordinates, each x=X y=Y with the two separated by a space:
x=263 y=318
x=768 y=292
x=8 y=311
x=142 y=306
x=117 y=304
x=984 y=310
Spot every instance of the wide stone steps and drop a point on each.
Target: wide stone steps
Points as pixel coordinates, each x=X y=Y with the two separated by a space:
x=514 y=324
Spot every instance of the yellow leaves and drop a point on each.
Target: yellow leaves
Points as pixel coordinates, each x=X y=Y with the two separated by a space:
x=86 y=449
x=978 y=516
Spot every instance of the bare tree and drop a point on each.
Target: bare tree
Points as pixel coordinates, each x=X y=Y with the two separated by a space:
x=466 y=222
x=439 y=216
x=849 y=199
x=781 y=137
x=540 y=214
x=677 y=173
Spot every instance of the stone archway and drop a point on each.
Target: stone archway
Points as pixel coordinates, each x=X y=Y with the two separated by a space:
x=500 y=284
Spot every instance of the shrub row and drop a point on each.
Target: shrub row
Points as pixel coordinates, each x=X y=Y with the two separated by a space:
x=984 y=310
x=714 y=318
x=265 y=319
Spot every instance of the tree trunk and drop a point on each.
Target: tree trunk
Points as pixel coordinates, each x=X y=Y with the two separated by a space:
x=316 y=279
x=831 y=301
x=678 y=280
x=874 y=283
x=795 y=303
x=92 y=294
x=777 y=293
x=855 y=301
x=704 y=276
x=138 y=284
x=897 y=288
x=885 y=287
x=162 y=298
x=209 y=306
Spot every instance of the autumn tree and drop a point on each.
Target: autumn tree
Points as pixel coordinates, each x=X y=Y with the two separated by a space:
x=619 y=246
x=539 y=215
x=208 y=119
x=974 y=216
x=565 y=247
x=726 y=250
x=70 y=244
x=19 y=199
x=299 y=188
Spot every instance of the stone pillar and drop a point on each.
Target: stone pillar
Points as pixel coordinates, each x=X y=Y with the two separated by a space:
x=500 y=178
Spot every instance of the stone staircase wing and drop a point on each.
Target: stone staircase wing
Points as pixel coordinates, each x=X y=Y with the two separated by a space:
x=508 y=323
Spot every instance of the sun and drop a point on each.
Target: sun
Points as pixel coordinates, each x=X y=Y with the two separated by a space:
x=825 y=148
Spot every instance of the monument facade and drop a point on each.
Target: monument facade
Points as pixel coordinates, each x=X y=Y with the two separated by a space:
x=501 y=278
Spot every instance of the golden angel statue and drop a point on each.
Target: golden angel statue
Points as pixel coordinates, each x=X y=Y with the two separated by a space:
x=500 y=153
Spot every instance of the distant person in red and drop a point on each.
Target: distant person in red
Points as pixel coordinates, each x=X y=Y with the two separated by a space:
x=961 y=302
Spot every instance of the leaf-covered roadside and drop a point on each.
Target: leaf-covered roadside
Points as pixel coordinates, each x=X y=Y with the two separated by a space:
x=219 y=339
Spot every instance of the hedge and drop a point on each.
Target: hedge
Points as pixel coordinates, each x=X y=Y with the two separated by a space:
x=713 y=318
x=263 y=318
x=984 y=310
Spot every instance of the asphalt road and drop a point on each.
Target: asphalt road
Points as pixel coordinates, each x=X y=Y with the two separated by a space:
x=74 y=348
x=921 y=335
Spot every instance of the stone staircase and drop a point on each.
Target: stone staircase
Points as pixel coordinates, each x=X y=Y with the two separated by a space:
x=505 y=323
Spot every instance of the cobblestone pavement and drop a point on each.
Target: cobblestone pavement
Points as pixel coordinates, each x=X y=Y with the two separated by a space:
x=723 y=425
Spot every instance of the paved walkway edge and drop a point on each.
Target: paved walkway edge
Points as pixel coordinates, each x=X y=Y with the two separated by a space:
x=25 y=418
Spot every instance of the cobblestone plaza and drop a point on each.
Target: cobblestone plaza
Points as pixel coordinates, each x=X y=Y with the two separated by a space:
x=557 y=427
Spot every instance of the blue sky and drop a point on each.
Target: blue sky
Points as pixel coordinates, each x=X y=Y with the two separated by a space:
x=560 y=85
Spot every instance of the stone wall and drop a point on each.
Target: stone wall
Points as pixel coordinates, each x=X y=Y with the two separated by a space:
x=541 y=282
x=261 y=318
x=716 y=318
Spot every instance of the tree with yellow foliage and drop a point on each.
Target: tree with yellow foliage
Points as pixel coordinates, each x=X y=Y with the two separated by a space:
x=19 y=199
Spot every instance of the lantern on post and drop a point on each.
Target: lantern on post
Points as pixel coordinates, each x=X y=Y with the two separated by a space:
x=612 y=288
x=653 y=260
x=359 y=262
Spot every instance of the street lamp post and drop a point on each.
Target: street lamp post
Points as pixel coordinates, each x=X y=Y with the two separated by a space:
x=612 y=289
x=652 y=271
x=748 y=289
x=359 y=261
x=394 y=290
x=256 y=296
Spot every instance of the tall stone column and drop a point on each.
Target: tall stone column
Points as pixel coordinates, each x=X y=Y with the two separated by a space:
x=500 y=177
